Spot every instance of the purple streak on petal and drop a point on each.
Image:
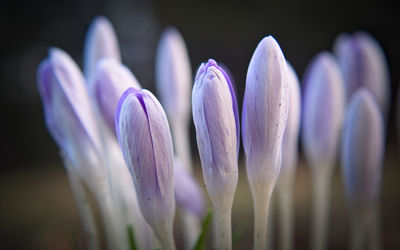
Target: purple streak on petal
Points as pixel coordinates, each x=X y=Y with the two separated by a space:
x=140 y=98
x=210 y=63
x=45 y=75
x=243 y=118
x=68 y=111
x=129 y=91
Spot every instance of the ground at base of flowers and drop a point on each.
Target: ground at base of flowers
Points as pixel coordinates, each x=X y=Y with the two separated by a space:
x=37 y=210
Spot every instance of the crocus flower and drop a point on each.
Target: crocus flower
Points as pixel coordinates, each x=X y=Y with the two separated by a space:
x=363 y=63
x=71 y=121
x=291 y=135
x=110 y=80
x=101 y=42
x=173 y=81
x=70 y=117
x=264 y=116
x=173 y=74
x=289 y=161
x=215 y=117
x=323 y=107
x=144 y=135
x=362 y=155
x=362 y=160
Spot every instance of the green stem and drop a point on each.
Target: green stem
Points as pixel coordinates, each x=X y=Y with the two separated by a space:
x=224 y=230
x=261 y=207
x=321 y=181
x=286 y=215
x=85 y=210
x=166 y=239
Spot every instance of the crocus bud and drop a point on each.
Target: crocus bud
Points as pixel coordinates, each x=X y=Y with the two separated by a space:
x=323 y=108
x=144 y=135
x=265 y=110
x=291 y=135
x=264 y=117
x=363 y=148
x=70 y=117
x=188 y=193
x=363 y=63
x=173 y=74
x=101 y=42
x=111 y=79
x=215 y=117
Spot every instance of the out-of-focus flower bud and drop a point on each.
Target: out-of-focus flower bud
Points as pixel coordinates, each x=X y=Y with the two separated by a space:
x=188 y=193
x=265 y=110
x=363 y=64
x=173 y=74
x=70 y=117
x=215 y=117
x=291 y=135
x=323 y=110
x=101 y=42
x=110 y=81
x=363 y=148
x=144 y=135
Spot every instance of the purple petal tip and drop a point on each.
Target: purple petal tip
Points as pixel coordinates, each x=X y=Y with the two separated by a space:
x=128 y=92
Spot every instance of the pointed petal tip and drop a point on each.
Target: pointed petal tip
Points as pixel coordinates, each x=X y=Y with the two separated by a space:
x=124 y=96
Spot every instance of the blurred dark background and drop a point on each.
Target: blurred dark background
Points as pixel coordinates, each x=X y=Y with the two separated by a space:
x=31 y=174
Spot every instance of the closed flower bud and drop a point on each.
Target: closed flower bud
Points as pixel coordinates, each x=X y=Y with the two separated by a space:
x=265 y=110
x=363 y=64
x=111 y=79
x=173 y=74
x=291 y=135
x=216 y=120
x=144 y=135
x=188 y=193
x=289 y=162
x=363 y=148
x=69 y=115
x=217 y=128
x=323 y=108
x=101 y=42
x=264 y=117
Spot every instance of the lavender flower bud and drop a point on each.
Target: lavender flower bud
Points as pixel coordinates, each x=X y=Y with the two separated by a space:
x=69 y=115
x=363 y=63
x=144 y=135
x=217 y=130
x=188 y=193
x=173 y=74
x=101 y=42
x=265 y=110
x=323 y=107
x=363 y=148
x=111 y=79
x=291 y=135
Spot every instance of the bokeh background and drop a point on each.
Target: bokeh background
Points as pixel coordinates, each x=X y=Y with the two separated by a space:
x=37 y=210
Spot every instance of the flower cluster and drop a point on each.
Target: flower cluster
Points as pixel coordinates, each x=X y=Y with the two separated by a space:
x=132 y=152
